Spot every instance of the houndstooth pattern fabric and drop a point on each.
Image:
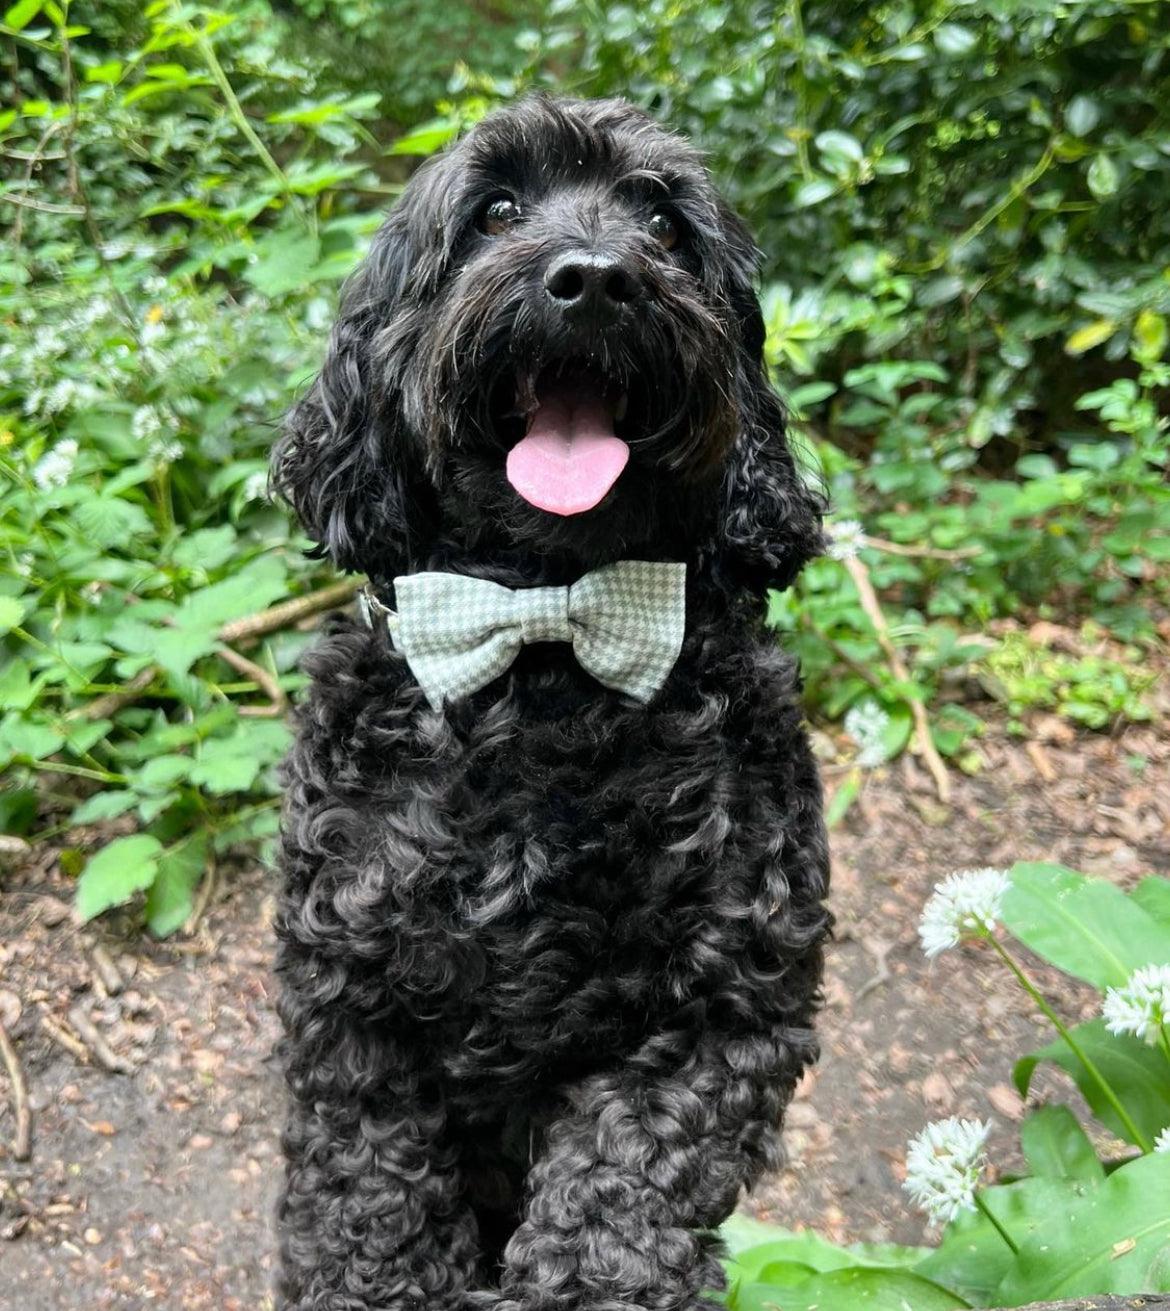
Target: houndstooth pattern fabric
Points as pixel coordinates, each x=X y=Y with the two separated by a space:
x=625 y=622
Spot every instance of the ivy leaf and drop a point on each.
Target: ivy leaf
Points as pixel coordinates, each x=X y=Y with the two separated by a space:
x=116 y=873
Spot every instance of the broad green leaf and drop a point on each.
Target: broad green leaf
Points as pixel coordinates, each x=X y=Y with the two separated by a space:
x=1092 y=334
x=1152 y=894
x=850 y=1289
x=251 y=588
x=813 y=192
x=284 y=262
x=835 y=142
x=1082 y=115
x=427 y=138
x=104 y=805
x=1085 y=926
x=1056 y=1147
x=1103 y=177
x=11 y=613
x=32 y=737
x=116 y=873
x=1104 y=1241
x=171 y=895
x=110 y=520
x=952 y=39
x=1139 y=1076
x=207 y=549
x=973 y=1258
x=19 y=15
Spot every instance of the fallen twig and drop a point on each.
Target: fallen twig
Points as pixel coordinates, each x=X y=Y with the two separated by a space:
x=872 y=607
x=289 y=612
x=250 y=626
x=921 y=552
x=277 y=701
x=22 y=1137
x=103 y=1053
x=107 y=971
x=63 y=1038
x=203 y=896
x=27 y=202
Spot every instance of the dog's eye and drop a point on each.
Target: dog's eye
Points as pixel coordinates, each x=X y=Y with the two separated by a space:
x=498 y=215
x=664 y=228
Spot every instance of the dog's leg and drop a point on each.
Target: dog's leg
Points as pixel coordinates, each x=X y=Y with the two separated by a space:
x=372 y=1217
x=650 y=1158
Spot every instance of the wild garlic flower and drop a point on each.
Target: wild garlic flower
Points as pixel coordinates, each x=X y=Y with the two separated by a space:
x=846 y=538
x=964 y=905
x=53 y=470
x=1162 y=1142
x=1142 y=1006
x=256 y=486
x=866 y=723
x=943 y=1165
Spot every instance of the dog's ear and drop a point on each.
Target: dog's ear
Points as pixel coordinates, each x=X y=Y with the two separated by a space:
x=345 y=462
x=770 y=515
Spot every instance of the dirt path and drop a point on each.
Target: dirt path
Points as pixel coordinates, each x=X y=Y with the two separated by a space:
x=156 y=1188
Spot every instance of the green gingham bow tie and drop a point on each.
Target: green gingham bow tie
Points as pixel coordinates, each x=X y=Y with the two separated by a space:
x=625 y=622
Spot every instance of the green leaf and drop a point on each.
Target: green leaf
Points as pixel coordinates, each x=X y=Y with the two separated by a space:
x=1092 y=334
x=952 y=39
x=1152 y=894
x=1137 y=1074
x=32 y=737
x=813 y=192
x=284 y=262
x=1082 y=115
x=171 y=895
x=104 y=805
x=1104 y=1241
x=110 y=520
x=1085 y=926
x=12 y=611
x=251 y=588
x=1056 y=1147
x=232 y=763
x=427 y=138
x=850 y=1289
x=840 y=143
x=116 y=873
x=1103 y=177
x=19 y=15
x=206 y=549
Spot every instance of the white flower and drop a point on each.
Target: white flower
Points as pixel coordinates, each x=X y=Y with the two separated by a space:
x=963 y=905
x=256 y=486
x=1162 y=1142
x=866 y=723
x=943 y=1165
x=152 y=332
x=1142 y=1006
x=146 y=423
x=53 y=469
x=846 y=539
x=165 y=450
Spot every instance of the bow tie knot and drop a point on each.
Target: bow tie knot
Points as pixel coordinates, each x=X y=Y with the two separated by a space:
x=625 y=622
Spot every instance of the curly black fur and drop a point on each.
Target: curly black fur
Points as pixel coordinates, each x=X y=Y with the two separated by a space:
x=549 y=958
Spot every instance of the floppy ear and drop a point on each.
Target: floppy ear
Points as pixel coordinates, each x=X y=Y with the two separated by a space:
x=770 y=516
x=345 y=462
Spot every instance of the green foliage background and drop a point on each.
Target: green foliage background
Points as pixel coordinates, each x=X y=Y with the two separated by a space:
x=962 y=207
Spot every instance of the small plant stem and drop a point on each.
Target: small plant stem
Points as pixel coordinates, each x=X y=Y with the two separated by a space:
x=55 y=767
x=801 y=130
x=1164 y=1041
x=1003 y=1233
x=1075 y=1047
x=235 y=109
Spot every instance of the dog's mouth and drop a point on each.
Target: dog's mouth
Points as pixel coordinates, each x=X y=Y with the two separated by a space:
x=571 y=447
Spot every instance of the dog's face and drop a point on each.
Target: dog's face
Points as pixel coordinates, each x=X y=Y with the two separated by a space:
x=552 y=346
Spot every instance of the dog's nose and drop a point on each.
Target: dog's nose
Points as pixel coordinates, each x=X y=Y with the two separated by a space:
x=591 y=282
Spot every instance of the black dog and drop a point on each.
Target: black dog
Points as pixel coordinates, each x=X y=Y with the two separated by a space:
x=550 y=953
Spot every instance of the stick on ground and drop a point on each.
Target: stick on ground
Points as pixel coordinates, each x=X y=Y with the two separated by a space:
x=22 y=1137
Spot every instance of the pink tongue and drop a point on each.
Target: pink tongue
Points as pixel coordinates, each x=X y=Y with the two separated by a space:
x=570 y=458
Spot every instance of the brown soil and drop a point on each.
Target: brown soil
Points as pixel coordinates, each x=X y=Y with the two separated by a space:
x=155 y=1188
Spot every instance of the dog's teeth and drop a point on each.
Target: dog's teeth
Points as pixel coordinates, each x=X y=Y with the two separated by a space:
x=622 y=406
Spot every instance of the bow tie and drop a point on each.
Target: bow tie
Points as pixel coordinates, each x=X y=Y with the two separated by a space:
x=625 y=622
